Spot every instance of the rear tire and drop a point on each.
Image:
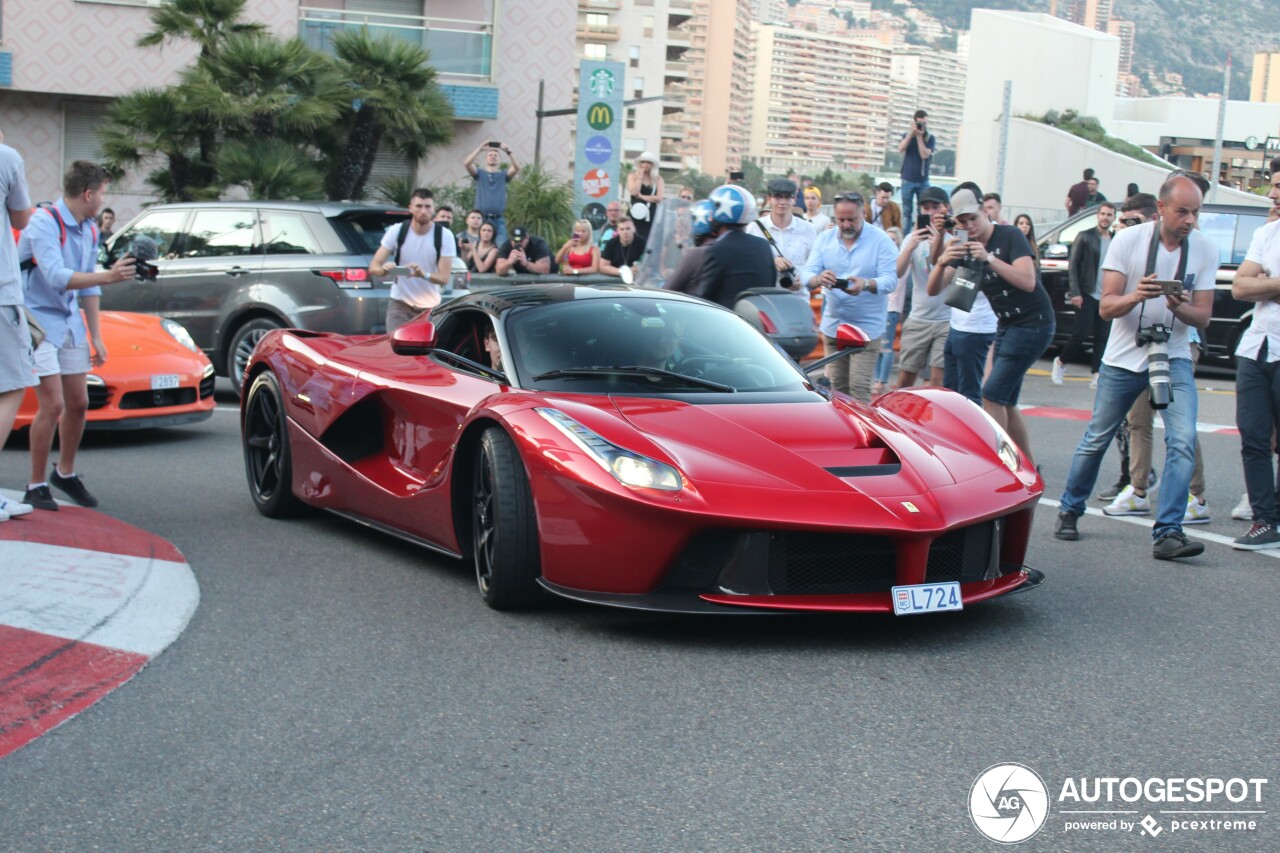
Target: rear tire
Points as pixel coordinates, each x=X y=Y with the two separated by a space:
x=504 y=525
x=268 y=463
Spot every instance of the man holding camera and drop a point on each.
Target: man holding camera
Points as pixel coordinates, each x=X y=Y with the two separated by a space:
x=523 y=253
x=59 y=253
x=491 y=184
x=917 y=147
x=1158 y=281
x=789 y=237
x=927 y=327
x=857 y=267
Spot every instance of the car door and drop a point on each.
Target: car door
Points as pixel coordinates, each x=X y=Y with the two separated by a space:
x=217 y=265
x=152 y=237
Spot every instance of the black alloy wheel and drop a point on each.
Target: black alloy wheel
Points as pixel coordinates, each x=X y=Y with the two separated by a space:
x=267 y=461
x=504 y=526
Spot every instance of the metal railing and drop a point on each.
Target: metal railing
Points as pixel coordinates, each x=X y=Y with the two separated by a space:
x=458 y=47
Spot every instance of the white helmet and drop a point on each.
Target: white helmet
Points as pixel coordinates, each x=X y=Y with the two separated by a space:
x=734 y=205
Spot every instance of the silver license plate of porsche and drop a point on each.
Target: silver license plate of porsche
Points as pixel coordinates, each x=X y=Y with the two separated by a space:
x=926 y=598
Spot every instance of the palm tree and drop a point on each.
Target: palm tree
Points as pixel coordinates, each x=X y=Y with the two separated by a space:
x=542 y=203
x=394 y=98
x=208 y=23
x=153 y=123
x=269 y=168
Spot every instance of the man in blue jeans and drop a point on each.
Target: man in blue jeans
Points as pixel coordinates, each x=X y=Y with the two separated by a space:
x=917 y=147
x=1133 y=298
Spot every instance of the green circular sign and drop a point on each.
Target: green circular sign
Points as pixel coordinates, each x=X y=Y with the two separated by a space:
x=600 y=116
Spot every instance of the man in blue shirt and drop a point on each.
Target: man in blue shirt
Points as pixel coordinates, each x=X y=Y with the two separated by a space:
x=491 y=184
x=59 y=251
x=858 y=268
x=917 y=147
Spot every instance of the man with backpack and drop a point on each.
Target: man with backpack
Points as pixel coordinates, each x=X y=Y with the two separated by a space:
x=58 y=255
x=409 y=249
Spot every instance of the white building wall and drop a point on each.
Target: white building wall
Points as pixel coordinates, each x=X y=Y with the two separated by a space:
x=1143 y=121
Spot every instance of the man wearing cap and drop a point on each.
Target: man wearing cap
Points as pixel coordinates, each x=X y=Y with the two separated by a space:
x=645 y=187
x=523 y=253
x=788 y=236
x=917 y=147
x=491 y=184
x=1007 y=275
x=925 y=332
x=857 y=268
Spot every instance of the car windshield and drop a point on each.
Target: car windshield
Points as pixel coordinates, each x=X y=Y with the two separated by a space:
x=639 y=345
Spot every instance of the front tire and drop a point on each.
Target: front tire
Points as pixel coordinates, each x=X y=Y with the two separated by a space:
x=243 y=342
x=268 y=463
x=504 y=526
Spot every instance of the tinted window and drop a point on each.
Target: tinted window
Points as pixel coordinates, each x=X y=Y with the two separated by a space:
x=1245 y=229
x=285 y=233
x=1072 y=229
x=1221 y=229
x=152 y=236
x=365 y=229
x=687 y=338
x=221 y=233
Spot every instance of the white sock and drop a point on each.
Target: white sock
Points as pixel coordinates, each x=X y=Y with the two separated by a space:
x=31 y=486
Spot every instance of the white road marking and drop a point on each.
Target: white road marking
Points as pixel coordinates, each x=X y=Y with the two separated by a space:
x=1146 y=520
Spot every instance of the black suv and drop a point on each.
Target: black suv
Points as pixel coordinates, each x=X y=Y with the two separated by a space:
x=232 y=271
x=1230 y=226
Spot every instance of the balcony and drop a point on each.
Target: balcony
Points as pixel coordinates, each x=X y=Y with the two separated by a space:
x=677 y=37
x=597 y=32
x=459 y=48
x=672 y=130
x=600 y=5
x=675 y=70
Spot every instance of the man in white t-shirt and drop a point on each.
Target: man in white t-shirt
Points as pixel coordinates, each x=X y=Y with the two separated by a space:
x=789 y=236
x=410 y=248
x=1132 y=299
x=1257 y=365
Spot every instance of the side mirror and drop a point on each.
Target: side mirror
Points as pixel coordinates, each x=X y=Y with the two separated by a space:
x=849 y=336
x=416 y=338
x=1057 y=251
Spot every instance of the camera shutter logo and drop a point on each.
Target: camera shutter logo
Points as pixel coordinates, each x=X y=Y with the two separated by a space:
x=600 y=116
x=1008 y=803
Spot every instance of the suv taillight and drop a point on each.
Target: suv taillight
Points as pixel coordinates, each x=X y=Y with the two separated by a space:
x=766 y=322
x=351 y=277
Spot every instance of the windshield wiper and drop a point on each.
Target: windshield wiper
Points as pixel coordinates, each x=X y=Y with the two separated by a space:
x=640 y=370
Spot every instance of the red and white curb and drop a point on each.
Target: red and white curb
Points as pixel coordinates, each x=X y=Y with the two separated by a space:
x=85 y=602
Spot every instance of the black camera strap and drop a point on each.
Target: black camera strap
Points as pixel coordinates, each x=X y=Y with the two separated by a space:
x=1153 y=252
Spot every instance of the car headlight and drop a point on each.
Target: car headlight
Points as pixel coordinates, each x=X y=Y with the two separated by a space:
x=179 y=333
x=1005 y=448
x=630 y=469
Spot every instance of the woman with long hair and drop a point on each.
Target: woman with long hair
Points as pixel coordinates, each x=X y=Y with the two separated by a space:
x=579 y=255
x=1024 y=224
x=484 y=254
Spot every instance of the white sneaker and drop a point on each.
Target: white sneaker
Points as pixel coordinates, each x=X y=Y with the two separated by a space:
x=1197 y=511
x=1055 y=374
x=13 y=509
x=1243 y=510
x=1093 y=381
x=1128 y=503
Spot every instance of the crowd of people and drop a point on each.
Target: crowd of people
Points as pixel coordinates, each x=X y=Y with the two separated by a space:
x=1142 y=282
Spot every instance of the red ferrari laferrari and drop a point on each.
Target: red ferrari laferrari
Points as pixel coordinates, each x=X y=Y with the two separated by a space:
x=640 y=449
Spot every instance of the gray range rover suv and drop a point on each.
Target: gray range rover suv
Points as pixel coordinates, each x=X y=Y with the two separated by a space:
x=232 y=271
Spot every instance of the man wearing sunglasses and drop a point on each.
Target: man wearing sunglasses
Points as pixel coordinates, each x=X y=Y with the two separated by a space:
x=1085 y=275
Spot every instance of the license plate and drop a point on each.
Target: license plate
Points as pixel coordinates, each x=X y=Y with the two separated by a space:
x=926 y=598
x=161 y=381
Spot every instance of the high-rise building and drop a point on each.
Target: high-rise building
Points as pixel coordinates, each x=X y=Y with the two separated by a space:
x=1265 y=85
x=1125 y=31
x=820 y=101
x=715 y=120
x=1094 y=14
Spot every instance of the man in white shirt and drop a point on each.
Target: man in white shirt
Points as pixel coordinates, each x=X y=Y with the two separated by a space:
x=788 y=236
x=1257 y=365
x=410 y=248
x=1134 y=299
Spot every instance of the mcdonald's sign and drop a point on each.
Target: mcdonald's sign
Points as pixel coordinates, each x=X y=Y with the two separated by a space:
x=600 y=116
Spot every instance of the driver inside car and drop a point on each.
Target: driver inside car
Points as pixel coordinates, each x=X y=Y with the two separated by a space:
x=492 y=348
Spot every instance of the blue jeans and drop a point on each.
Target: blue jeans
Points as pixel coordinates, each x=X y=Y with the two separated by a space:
x=499 y=222
x=884 y=364
x=910 y=189
x=1117 y=389
x=1017 y=349
x=965 y=355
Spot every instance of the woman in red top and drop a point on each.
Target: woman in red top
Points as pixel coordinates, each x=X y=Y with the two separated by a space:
x=579 y=255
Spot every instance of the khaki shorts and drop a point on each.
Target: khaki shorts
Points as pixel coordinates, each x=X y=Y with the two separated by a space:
x=923 y=343
x=67 y=360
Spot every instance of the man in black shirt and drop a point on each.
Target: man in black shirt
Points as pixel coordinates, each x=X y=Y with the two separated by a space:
x=624 y=249
x=523 y=253
x=1011 y=282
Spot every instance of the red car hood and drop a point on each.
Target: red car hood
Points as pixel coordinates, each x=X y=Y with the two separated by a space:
x=811 y=446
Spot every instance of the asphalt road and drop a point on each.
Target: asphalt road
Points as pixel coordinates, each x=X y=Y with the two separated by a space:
x=340 y=690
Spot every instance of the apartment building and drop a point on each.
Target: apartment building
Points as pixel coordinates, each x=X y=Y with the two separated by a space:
x=63 y=61
x=931 y=80
x=714 y=122
x=820 y=100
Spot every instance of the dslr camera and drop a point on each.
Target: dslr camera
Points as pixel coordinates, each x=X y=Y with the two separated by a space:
x=1156 y=340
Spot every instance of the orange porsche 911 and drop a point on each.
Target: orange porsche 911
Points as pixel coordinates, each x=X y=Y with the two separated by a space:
x=154 y=376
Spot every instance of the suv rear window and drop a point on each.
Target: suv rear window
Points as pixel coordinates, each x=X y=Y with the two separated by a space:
x=363 y=229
